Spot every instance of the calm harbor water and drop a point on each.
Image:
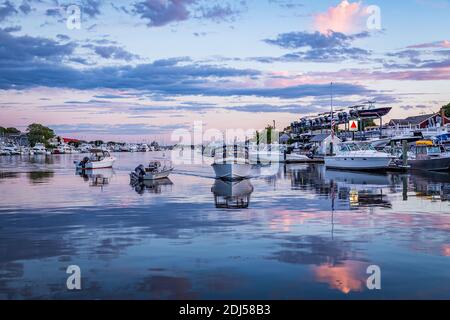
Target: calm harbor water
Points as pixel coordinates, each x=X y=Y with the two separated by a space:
x=307 y=233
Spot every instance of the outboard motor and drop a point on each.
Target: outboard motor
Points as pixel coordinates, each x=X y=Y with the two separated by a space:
x=83 y=162
x=139 y=173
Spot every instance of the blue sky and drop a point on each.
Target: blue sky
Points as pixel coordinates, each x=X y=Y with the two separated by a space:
x=158 y=65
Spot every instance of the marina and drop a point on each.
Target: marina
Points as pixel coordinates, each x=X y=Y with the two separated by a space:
x=288 y=226
x=233 y=153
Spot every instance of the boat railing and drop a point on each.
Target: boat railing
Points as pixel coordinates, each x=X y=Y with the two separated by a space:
x=229 y=153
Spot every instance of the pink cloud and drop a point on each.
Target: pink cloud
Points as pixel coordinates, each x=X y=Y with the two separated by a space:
x=438 y=44
x=346 y=17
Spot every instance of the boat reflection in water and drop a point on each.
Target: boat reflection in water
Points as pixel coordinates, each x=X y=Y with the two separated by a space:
x=232 y=194
x=152 y=186
x=433 y=186
x=368 y=189
x=96 y=177
x=361 y=189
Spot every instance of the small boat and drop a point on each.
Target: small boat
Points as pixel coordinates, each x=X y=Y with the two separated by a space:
x=11 y=149
x=39 y=148
x=154 y=171
x=358 y=156
x=231 y=163
x=426 y=155
x=98 y=159
x=294 y=156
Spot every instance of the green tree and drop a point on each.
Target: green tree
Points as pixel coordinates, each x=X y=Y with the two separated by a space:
x=2 y=130
x=446 y=110
x=37 y=133
x=12 y=130
x=98 y=143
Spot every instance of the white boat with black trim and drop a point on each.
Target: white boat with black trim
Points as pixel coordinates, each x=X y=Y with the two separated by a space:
x=154 y=171
x=358 y=156
x=98 y=159
x=232 y=163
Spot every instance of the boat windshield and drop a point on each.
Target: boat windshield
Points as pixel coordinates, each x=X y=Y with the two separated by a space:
x=434 y=150
x=349 y=147
x=366 y=146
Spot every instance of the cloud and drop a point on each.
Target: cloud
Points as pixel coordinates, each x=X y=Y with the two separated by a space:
x=219 y=13
x=162 y=12
x=288 y=4
x=315 y=40
x=114 y=52
x=437 y=44
x=269 y=108
x=318 y=47
x=25 y=7
x=138 y=129
x=346 y=17
x=26 y=48
x=91 y=7
x=6 y=9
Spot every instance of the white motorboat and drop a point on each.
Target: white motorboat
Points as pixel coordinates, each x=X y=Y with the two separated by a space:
x=11 y=149
x=292 y=157
x=358 y=156
x=231 y=163
x=143 y=148
x=98 y=159
x=63 y=149
x=154 y=171
x=39 y=148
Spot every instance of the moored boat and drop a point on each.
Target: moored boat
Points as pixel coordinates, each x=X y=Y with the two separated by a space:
x=428 y=156
x=154 y=171
x=231 y=163
x=358 y=156
x=98 y=159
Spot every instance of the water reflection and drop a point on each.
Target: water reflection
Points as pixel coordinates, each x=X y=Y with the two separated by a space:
x=232 y=194
x=152 y=186
x=96 y=177
x=307 y=233
x=365 y=189
x=40 y=176
x=431 y=185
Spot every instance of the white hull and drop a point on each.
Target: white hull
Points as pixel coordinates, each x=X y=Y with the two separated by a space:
x=156 y=176
x=357 y=163
x=105 y=163
x=296 y=157
x=232 y=171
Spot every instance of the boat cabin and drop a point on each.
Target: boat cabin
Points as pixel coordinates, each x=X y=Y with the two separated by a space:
x=99 y=154
x=426 y=148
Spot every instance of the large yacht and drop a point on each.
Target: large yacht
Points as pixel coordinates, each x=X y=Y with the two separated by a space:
x=358 y=156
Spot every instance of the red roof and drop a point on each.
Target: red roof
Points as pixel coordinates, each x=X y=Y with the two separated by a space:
x=68 y=140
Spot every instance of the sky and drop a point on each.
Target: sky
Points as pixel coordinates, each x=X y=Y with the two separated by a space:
x=138 y=70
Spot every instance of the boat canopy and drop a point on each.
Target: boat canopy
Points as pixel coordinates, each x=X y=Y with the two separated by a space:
x=424 y=143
